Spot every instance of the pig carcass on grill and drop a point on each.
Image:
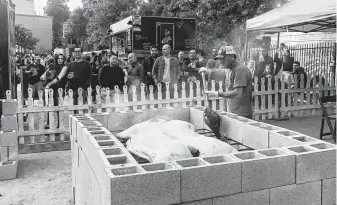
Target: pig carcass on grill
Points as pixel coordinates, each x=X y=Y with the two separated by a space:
x=163 y=141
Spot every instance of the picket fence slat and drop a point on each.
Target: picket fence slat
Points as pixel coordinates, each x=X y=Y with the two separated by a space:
x=41 y=116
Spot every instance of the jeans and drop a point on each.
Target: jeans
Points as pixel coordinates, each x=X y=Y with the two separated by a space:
x=35 y=88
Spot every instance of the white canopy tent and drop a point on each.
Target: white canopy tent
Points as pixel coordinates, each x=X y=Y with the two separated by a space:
x=297 y=16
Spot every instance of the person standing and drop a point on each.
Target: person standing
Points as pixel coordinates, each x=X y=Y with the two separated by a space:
x=238 y=84
x=77 y=75
x=53 y=72
x=79 y=72
x=135 y=74
x=298 y=70
x=212 y=63
x=148 y=65
x=264 y=60
x=111 y=75
x=35 y=71
x=183 y=75
x=201 y=59
x=166 y=70
x=192 y=66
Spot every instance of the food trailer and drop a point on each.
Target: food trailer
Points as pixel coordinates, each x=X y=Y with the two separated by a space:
x=136 y=34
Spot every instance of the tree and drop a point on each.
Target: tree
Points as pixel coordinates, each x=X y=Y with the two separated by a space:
x=77 y=23
x=24 y=38
x=101 y=15
x=59 y=10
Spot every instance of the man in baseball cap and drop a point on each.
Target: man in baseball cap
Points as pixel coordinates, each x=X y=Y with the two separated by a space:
x=226 y=50
x=238 y=82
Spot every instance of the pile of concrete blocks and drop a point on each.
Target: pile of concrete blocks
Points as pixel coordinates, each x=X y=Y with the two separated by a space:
x=286 y=167
x=9 y=140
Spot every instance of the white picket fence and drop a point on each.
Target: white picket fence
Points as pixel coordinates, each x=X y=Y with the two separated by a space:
x=280 y=101
x=268 y=103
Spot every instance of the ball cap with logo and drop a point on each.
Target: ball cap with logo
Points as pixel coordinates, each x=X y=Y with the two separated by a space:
x=226 y=50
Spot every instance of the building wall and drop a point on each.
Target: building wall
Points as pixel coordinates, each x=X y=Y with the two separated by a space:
x=24 y=7
x=41 y=27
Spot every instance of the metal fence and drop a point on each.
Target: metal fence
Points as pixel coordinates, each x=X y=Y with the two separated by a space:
x=314 y=57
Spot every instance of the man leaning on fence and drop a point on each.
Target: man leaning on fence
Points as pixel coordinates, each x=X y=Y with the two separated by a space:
x=238 y=84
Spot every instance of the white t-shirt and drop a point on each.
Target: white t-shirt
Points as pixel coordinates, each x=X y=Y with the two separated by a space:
x=166 y=74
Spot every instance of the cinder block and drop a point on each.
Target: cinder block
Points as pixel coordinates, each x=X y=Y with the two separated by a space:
x=8 y=170
x=182 y=114
x=201 y=202
x=229 y=126
x=73 y=123
x=83 y=132
x=101 y=118
x=158 y=113
x=94 y=190
x=148 y=185
x=9 y=123
x=254 y=136
x=212 y=177
x=74 y=167
x=329 y=191
x=79 y=179
x=3 y=154
x=8 y=138
x=122 y=159
x=283 y=138
x=197 y=116
x=314 y=164
x=118 y=121
x=296 y=194
x=9 y=107
x=106 y=143
x=305 y=139
x=251 y=198
x=12 y=153
x=266 y=169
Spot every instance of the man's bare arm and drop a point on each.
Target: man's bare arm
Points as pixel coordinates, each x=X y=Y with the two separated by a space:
x=237 y=92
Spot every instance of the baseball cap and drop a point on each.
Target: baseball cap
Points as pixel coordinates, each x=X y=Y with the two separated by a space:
x=77 y=50
x=227 y=50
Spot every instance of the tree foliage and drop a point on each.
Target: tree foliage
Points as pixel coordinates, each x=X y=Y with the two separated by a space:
x=24 y=38
x=59 y=10
x=217 y=20
x=101 y=15
x=77 y=23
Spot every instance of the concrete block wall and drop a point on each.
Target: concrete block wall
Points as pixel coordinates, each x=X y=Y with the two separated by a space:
x=8 y=140
x=303 y=171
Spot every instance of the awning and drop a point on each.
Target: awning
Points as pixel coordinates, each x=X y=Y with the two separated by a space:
x=297 y=16
x=121 y=26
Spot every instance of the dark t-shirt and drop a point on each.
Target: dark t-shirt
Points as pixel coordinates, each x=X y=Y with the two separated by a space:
x=111 y=76
x=36 y=72
x=238 y=77
x=82 y=74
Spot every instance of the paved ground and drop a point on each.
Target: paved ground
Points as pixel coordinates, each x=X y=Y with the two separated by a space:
x=42 y=179
x=45 y=178
x=306 y=125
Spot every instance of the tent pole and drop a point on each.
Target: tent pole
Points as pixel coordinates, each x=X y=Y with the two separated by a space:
x=278 y=40
x=246 y=48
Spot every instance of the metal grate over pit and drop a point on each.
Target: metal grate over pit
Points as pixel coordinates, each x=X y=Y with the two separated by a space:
x=237 y=145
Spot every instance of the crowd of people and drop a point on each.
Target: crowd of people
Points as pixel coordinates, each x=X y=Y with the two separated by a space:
x=109 y=71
